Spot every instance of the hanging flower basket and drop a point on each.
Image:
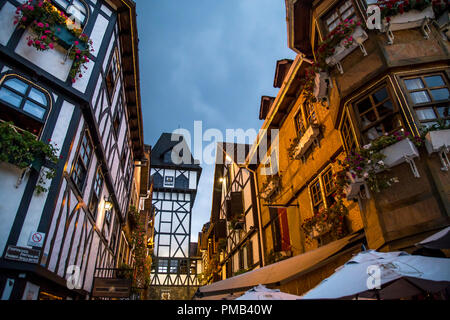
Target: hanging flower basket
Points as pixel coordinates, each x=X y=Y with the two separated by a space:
x=271 y=188
x=301 y=145
x=322 y=82
x=49 y=26
x=438 y=141
x=400 y=152
x=408 y=20
x=347 y=46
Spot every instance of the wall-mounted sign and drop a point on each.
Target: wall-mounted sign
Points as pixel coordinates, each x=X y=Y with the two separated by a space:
x=22 y=254
x=111 y=288
x=36 y=239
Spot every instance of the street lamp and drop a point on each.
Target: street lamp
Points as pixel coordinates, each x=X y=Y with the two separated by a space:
x=108 y=204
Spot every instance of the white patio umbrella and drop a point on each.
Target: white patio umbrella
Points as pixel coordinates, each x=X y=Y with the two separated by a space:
x=262 y=293
x=392 y=275
x=440 y=240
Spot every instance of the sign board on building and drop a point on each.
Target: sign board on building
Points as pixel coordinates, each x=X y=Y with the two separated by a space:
x=22 y=254
x=111 y=288
x=36 y=239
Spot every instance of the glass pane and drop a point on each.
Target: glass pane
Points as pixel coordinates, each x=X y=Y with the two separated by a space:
x=434 y=81
x=425 y=114
x=444 y=112
x=332 y=18
x=10 y=97
x=385 y=108
x=364 y=105
x=62 y=3
x=38 y=96
x=413 y=84
x=429 y=124
x=345 y=6
x=380 y=95
x=34 y=109
x=420 y=97
x=389 y=124
x=17 y=85
x=79 y=6
x=347 y=13
x=74 y=11
x=440 y=94
x=374 y=133
x=368 y=118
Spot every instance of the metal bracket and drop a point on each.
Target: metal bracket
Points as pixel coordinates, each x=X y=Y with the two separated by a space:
x=390 y=35
x=363 y=49
x=339 y=67
x=19 y=181
x=413 y=166
x=444 y=159
x=425 y=28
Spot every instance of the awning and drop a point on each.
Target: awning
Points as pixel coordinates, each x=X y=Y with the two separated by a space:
x=280 y=272
x=440 y=240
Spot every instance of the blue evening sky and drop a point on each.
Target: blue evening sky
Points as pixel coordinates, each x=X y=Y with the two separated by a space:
x=209 y=61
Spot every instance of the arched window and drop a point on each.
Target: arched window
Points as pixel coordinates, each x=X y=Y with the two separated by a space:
x=74 y=8
x=23 y=104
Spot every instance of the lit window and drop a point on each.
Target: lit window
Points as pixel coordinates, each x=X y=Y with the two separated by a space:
x=81 y=166
x=96 y=192
x=378 y=114
x=74 y=9
x=23 y=104
x=345 y=10
x=430 y=98
x=347 y=134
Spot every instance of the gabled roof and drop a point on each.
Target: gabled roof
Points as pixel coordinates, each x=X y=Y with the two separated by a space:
x=166 y=143
x=266 y=103
x=281 y=71
x=298 y=17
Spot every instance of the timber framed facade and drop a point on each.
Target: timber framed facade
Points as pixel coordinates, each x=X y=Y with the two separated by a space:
x=100 y=138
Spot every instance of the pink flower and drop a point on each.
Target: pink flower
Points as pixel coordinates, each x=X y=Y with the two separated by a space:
x=51 y=45
x=24 y=18
x=43 y=37
x=40 y=25
x=76 y=43
x=78 y=51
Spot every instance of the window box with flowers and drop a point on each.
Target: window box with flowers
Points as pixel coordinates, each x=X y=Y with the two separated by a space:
x=437 y=140
x=50 y=27
x=365 y=167
x=329 y=221
x=408 y=14
x=271 y=188
x=24 y=151
x=344 y=40
x=302 y=144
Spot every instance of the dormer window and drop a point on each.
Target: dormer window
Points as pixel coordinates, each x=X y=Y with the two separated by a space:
x=344 y=10
x=23 y=104
x=74 y=9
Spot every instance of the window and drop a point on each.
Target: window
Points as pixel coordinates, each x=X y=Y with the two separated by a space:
x=23 y=104
x=96 y=192
x=118 y=116
x=173 y=266
x=123 y=160
x=306 y=116
x=74 y=9
x=430 y=98
x=280 y=229
x=345 y=10
x=322 y=190
x=113 y=241
x=347 y=134
x=377 y=114
x=113 y=74
x=163 y=265
x=81 y=166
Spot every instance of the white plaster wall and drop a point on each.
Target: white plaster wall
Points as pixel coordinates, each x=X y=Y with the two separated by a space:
x=7 y=14
x=98 y=32
x=52 y=61
x=91 y=263
x=90 y=179
x=10 y=199
x=76 y=142
x=82 y=83
x=192 y=180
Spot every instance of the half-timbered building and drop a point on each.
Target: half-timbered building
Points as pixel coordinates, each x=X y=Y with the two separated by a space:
x=175 y=177
x=53 y=242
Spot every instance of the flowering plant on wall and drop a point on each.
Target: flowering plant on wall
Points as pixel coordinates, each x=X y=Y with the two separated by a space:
x=329 y=220
x=367 y=163
x=23 y=150
x=142 y=259
x=391 y=8
x=51 y=26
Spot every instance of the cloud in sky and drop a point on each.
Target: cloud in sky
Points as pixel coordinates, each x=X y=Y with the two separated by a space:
x=207 y=60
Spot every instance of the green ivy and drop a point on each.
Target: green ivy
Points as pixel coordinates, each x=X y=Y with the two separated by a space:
x=25 y=151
